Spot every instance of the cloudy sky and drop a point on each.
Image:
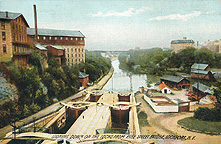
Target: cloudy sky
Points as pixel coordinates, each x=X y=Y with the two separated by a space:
x=126 y=24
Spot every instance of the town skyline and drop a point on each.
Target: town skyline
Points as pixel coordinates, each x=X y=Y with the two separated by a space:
x=124 y=25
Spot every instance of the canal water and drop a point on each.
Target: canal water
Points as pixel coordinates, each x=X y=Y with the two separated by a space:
x=121 y=81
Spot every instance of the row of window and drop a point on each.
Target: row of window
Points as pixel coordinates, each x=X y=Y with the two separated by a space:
x=19 y=37
x=72 y=55
x=18 y=28
x=76 y=60
x=61 y=38
x=72 y=49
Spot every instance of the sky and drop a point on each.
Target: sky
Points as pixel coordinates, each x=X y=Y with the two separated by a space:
x=125 y=24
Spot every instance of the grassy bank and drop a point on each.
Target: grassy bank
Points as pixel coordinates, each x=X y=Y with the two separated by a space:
x=196 y=125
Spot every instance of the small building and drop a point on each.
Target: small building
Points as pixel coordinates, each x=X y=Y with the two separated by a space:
x=164 y=88
x=199 y=91
x=201 y=71
x=83 y=78
x=41 y=49
x=14 y=43
x=178 y=45
x=175 y=82
x=57 y=52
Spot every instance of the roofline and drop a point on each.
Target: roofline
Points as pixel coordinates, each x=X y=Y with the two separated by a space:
x=58 y=30
x=19 y=14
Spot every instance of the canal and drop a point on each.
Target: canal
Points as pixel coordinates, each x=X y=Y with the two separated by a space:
x=121 y=81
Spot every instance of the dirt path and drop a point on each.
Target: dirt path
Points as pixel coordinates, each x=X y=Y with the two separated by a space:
x=166 y=124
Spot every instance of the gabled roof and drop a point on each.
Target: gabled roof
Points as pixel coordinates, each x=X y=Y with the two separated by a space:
x=202 y=87
x=38 y=46
x=197 y=66
x=181 y=41
x=54 y=32
x=200 y=71
x=82 y=75
x=11 y=16
x=175 y=79
x=162 y=86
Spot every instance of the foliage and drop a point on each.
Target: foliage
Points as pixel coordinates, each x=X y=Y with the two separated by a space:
x=142 y=118
x=37 y=87
x=201 y=126
x=207 y=114
x=155 y=61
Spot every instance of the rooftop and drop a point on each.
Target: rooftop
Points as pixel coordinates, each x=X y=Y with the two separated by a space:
x=202 y=87
x=175 y=79
x=40 y=47
x=199 y=66
x=57 y=47
x=181 y=41
x=54 y=32
x=11 y=16
x=82 y=75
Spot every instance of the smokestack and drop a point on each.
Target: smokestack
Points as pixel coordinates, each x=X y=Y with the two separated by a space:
x=6 y=13
x=36 y=28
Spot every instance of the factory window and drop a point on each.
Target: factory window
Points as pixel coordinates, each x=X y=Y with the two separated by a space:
x=68 y=49
x=44 y=38
x=81 y=39
x=68 y=55
x=72 y=55
x=82 y=55
x=79 y=55
x=4 y=48
x=75 y=60
x=72 y=38
x=82 y=50
x=75 y=50
x=38 y=37
x=79 y=50
x=61 y=38
x=55 y=38
x=3 y=36
x=75 y=55
x=76 y=39
x=3 y=26
x=71 y=49
x=66 y=38
x=72 y=60
x=49 y=38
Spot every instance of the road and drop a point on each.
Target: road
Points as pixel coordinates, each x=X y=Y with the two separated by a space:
x=166 y=124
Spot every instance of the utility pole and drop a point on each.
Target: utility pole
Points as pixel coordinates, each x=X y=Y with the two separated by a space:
x=36 y=28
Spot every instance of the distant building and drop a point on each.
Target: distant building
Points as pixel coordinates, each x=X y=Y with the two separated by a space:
x=73 y=42
x=178 y=45
x=214 y=46
x=175 y=82
x=13 y=38
x=84 y=79
x=201 y=71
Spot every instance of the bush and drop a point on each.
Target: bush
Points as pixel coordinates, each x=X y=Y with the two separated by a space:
x=207 y=114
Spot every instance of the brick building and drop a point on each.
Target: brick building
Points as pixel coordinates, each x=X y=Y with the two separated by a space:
x=57 y=52
x=84 y=79
x=178 y=45
x=201 y=71
x=14 y=43
x=73 y=42
x=175 y=82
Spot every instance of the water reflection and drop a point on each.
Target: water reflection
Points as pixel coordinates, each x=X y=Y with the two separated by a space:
x=120 y=80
